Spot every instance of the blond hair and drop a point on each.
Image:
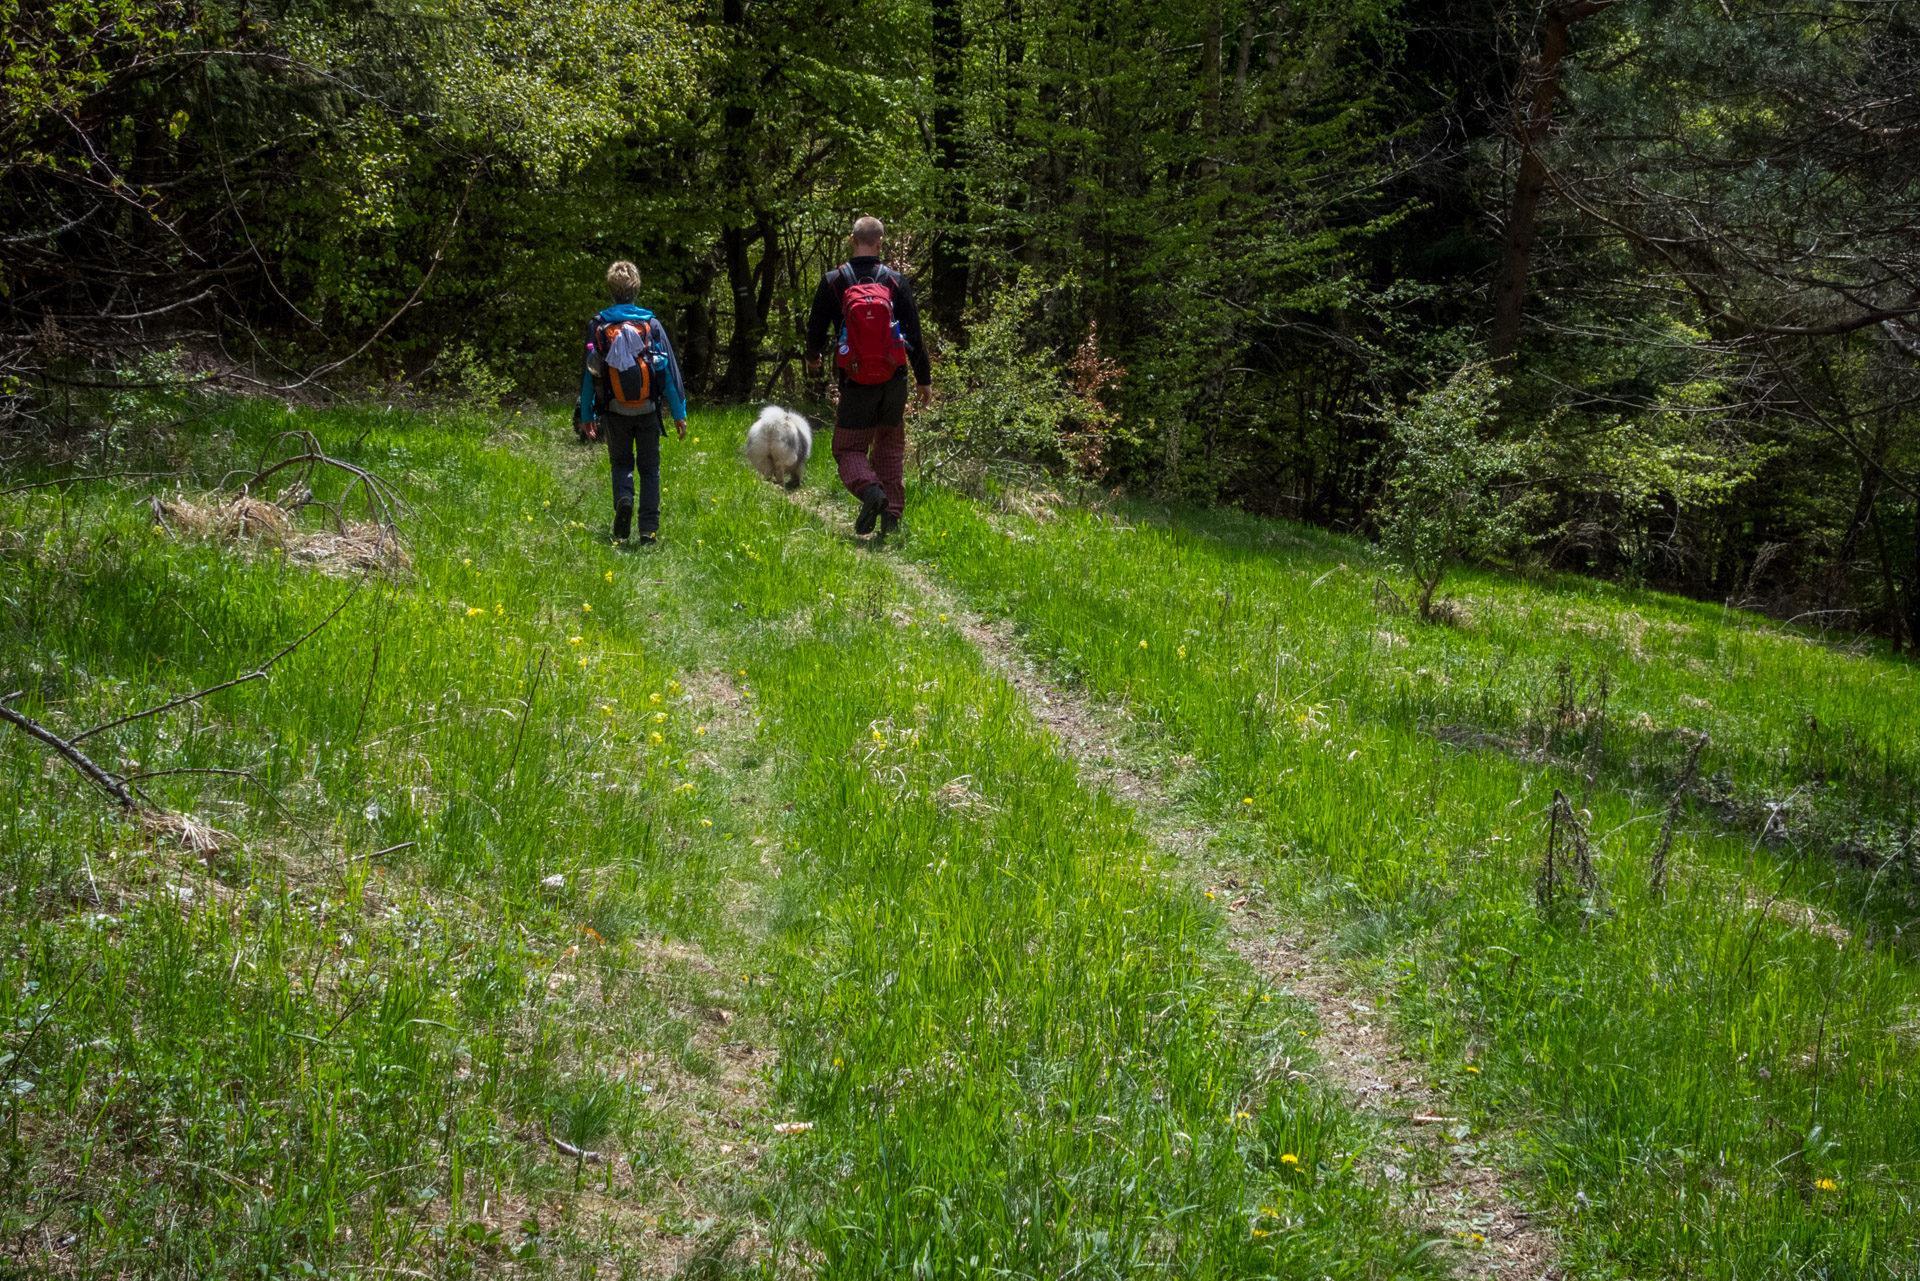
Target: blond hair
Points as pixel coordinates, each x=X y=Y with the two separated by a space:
x=867 y=231
x=623 y=281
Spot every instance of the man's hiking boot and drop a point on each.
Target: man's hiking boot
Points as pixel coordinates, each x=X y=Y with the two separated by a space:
x=873 y=501
x=622 y=520
x=888 y=524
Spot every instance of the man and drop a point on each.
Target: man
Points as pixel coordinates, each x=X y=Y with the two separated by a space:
x=630 y=373
x=869 y=431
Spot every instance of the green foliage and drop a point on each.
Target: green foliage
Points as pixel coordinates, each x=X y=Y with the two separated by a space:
x=1003 y=399
x=1457 y=490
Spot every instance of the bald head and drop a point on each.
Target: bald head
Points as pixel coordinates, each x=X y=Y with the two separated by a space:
x=866 y=234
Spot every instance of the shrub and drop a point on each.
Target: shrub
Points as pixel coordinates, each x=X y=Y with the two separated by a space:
x=1456 y=492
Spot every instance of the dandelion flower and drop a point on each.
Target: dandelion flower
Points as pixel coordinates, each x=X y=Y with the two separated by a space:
x=1471 y=1068
x=605 y=708
x=467 y=561
x=475 y=610
x=1825 y=1185
x=836 y=1062
x=548 y=503
x=701 y=730
x=743 y=672
x=1478 y=1239
x=686 y=787
x=1266 y=1000
x=609 y=575
x=1261 y=1232
x=500 y=611
x=1242 y=1116
x=1246 y=800
x=706 y=822
x=673 y=687
x=587 y=607
x=1288 y=1158
x=943 y=618
x=573 y=640
x=655 y=738
x=877 y=738
x=1143 y=644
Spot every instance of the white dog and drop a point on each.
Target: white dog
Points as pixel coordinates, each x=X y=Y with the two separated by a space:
x=778 y=445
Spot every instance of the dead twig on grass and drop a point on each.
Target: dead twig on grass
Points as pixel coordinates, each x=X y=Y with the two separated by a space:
x=259 y=673
x=1657 y=876
x=1569 y=859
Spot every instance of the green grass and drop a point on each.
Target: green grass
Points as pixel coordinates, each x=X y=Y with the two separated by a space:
x=1702 y=1087
x=815 y=862
x=336 y=1045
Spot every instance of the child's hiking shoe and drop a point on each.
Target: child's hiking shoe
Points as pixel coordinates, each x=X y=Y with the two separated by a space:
x=873 y=501
x=623 y=520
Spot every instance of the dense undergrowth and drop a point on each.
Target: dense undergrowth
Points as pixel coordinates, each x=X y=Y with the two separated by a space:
x=1718 y=1081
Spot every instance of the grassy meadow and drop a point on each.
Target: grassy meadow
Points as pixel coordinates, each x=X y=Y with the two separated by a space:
x=713 y=909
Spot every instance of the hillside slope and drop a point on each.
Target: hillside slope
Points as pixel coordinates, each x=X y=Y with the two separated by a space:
x=721 y=908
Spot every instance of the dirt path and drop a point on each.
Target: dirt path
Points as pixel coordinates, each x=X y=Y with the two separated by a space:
x=1447 y=1187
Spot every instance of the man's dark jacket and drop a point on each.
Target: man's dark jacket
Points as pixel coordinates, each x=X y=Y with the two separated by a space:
x=823 y=323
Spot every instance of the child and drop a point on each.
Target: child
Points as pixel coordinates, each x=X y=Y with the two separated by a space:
x=630 y=373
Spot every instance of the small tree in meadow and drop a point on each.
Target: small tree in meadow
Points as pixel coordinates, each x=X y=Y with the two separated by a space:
x=1457 y=492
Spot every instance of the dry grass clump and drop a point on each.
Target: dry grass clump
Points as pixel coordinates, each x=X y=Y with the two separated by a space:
x=350 y=547
x=196 y=836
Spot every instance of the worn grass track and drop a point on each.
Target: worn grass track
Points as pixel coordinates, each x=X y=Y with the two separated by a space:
x=1717 y=1083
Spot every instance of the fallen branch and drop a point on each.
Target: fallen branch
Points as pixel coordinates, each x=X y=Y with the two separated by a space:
x=260 y=673
x=578 y=1154
x=111 y=784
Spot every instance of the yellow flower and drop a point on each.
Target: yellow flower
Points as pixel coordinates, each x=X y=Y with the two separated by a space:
x=1143 y=644
x=548 y=503
x=743 y=673
x=694 y=441
x=877 y=738
x=1259 y=1232
x=836 y=1062
x=500 y=611
x=658 y=717
x=706 y=822
x=1266 y=999
x=1269 y=1212
x=528 y=519
x=655 y=738
x=701 y=730
x=1471 y=1068
x=475 y=610
x=713 y=500
x=607 y=709
x=1246 y=800
x=673 y=687
x=686 y=787
x=1288 y=1158
x=609 y=575
x=467 y=561
x=1825 y=1185
x=943 y=618
x=653 y=698
x=1478 y=1238
x=1182 y=651
x=587 y=607
x=1242 y=1116
x=573 y=640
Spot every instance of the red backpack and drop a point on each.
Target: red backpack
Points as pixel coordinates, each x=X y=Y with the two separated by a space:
x=871 y=346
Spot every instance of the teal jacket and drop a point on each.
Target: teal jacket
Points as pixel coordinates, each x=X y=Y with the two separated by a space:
x=673 y=390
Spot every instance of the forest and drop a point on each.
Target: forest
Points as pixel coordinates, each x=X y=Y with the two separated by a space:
x=1203 y=250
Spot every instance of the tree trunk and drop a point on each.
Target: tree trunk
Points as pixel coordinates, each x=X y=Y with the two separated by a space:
x=1533 y=119
x=947 y=287
x=697 y=338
